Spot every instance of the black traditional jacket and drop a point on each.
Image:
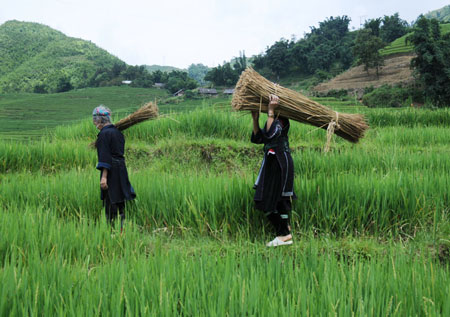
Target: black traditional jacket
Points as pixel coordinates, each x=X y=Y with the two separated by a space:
x=276 y=143
x=110 y=150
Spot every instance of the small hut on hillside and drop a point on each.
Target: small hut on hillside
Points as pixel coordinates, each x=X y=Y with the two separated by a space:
x=159 y=85
x=206 y=91
x=228 y=92
x=179 y=93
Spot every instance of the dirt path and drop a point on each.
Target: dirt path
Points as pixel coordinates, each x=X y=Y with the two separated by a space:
x=395 y=71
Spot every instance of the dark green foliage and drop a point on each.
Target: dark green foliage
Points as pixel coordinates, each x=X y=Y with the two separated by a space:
x=374 y=26
x=340 y=94
x=366 y=49
x=326 y=48
x=228 y=74
x=40 y=89
x=387 y=96
x=223 y=75
x=21 y=41
x=64 y=84
x=198 y=73
x=393 y=27
x=180 y=80
x=189 y=94
x=114 y=76
x=278 y=57
x=160 y=76
x=432 y=61
x=322 y=75
x=368 y=89
x=388 y=28
x=240 y=63
x=259 y=62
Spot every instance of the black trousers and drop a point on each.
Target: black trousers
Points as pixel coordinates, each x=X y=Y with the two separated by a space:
x=280 y=219
x=113 y=210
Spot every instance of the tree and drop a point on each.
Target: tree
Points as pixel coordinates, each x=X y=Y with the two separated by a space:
x=300 y=54
x=40 y=89
x=432 y=61
x=223 y=75
x=198 y=72
x=241 y=63
x=367 y=48
x=180 y=80
x=321 y=57
x=160 y=77
x=64 y=84
x=118 y=68
x=326 y=48
x=215 y=75
x=259 y=62
x=230 y=76
x=393 y=27
x=278 y=57
x=374 y=26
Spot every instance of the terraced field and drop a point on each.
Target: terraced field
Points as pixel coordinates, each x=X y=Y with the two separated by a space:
x=371 y=223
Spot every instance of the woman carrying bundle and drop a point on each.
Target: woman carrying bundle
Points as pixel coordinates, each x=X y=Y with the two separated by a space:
x=274 y=184
x=114 y=184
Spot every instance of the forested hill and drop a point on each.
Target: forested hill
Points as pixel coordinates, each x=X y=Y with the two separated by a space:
x=37 y=58
x=442 y=15
x=167 y=69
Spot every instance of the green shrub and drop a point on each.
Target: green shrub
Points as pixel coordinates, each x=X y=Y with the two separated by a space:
x=189 y=94
x=336 y=93
x=387 y=96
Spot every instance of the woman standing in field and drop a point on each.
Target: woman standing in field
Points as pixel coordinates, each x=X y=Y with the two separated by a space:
x=114 y=184
x=274 y=185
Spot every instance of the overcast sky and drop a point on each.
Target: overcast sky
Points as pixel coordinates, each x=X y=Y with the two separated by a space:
x=179 y=33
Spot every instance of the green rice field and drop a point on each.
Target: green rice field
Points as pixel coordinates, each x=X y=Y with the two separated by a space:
x=27 y=115
x=401 y=45
x=371 y=222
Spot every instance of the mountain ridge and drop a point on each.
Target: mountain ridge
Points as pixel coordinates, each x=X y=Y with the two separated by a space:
x=34 y=54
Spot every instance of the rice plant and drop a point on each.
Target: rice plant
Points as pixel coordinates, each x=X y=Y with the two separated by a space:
x=371 y=222
x=50 y=267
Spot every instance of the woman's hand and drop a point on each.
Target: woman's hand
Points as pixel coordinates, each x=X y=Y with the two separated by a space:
x=104 y=183
x=255 y=115
x=273 y=102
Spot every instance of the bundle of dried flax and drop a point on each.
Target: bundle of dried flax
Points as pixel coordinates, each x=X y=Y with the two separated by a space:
x=146 y=112
x=252 y=93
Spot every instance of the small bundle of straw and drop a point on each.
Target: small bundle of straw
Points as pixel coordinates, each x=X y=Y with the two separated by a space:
x=146 y=112
x=252 y=93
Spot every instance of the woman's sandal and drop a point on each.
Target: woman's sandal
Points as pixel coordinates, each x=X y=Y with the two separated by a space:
x=277 y=242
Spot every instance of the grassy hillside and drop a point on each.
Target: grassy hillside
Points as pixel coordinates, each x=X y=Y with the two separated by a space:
x=154 y=68
x=28 y=115
x=401 y=46
x=33 y=54
x=442 y=15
